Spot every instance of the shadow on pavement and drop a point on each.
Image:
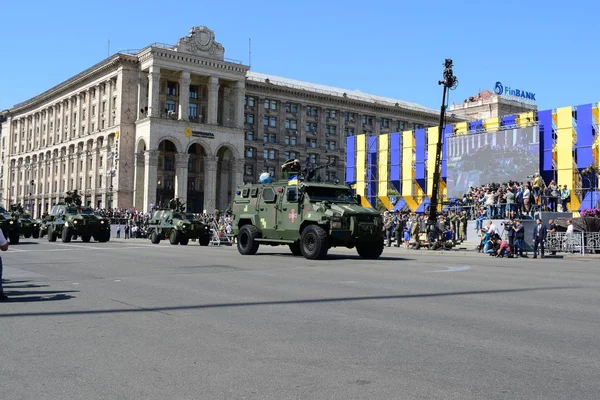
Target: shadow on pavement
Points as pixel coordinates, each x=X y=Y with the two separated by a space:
x=338 y=257
x=25 y=293
x=135 y=308
x=35 y=299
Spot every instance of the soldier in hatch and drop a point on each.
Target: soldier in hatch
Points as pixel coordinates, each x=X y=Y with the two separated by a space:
x=290 y=168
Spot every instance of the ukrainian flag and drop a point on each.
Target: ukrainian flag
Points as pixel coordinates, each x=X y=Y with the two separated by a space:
x=293 y=180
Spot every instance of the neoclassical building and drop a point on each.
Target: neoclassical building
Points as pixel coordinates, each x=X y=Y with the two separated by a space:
x=142 y=127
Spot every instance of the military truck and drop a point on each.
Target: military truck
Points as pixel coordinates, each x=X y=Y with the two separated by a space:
x=308 y=215
x=177 y=226
x=10 y=225
x=70 y=220
x=29 y=227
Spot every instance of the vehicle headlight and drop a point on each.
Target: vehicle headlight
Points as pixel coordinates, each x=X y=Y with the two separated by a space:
x=336 y=223
x=11 y=222
x=66 y=224
x=101 y=222
x=75 y=221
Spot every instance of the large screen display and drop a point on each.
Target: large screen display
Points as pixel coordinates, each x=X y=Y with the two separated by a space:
x=491 y=157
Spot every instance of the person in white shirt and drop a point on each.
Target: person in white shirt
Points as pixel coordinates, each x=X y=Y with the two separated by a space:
x=570 y=228
x=3 y=247
x=492 y=229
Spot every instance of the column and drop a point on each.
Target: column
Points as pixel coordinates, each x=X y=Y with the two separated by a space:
x=88 y=112
x=228 y=107
x=239 y=93
x=142 y=95
x=238 y=174
x=109 y=105
x=150 y=178
x=95 y=151
x=210 y=183
x=79 y=114
x=76 y=185
x=106 y=176
x=154 y=92
x=71 y=124
x=224 y=183
x=213 y=99
x=184 y=95
x=138 y=182
x=25 y=138
x=181 y=176
x=98 y=109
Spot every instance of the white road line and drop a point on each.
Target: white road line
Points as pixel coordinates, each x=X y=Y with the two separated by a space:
x=452 y=269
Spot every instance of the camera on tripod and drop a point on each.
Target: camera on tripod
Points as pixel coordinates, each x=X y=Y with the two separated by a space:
x=507 y=224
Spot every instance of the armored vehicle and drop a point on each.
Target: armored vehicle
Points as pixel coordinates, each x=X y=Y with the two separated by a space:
x=10 y=225
x=70 y=220
x=308 y=215
x=179 y=227
x=29 y=227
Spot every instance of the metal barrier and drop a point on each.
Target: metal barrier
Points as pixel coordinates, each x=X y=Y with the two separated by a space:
x=576 y=242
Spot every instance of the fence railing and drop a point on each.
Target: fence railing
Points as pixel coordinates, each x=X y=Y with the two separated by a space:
x=576 y=242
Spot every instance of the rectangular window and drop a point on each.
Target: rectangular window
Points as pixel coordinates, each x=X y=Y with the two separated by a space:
x=171 y=89
x=193 y=110
x=312 y=111
x=311 y=143
x=291 y=108
x=401 y=126
x=249 y=170
x=349 y=132
x=251 y=101
x=273 y=122
x=331 y=114
x=291 y=124
x=270 y=104
x=266 y=154
x=193 y=92
x=249 y=118
x=385 y=123
x=348 y=116
x=312 y=158
x=103 y=106
x=171 y=105
x=311 y=127
x=169 y=163
x=250 y=152
x=249 y=135
x=331 y=129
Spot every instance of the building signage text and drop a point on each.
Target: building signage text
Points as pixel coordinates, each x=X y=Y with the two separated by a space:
x=507 y=91
x=207 y=135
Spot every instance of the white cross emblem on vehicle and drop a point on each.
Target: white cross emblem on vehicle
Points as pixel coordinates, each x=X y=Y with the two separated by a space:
x=293 y=215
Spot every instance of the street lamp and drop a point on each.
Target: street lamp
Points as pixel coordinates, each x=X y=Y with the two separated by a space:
x=159 y=185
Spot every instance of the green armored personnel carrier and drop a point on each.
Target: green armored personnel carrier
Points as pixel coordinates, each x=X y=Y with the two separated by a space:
x=10 y=225
x=70 y=220
x=177 y=226
x=308 y=215
x=29 y=227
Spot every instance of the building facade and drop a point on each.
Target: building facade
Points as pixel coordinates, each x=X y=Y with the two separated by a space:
x=142 y=127
x=487 y=105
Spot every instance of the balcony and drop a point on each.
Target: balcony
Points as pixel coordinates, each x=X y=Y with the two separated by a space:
x=169 y=114
x=199 y=119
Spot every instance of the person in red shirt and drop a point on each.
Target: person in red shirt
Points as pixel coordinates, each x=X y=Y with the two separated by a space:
x=503 y=249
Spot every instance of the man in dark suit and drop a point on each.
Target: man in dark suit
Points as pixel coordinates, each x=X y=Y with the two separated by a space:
x=539 y=235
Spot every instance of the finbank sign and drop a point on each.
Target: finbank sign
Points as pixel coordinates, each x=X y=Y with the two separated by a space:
x=508 y=91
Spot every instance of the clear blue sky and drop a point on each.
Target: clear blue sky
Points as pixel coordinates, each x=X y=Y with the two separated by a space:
x=388 y=48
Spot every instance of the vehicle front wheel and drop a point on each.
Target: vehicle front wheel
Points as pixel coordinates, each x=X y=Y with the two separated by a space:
x=370 y=250
x=184 y=240
x=66 y=234
x=51 y=235
x=27 y=235
x=154 y=238
x=246 y=243
x=35 y=234
x=314 y=242
x=295 y=249
x=85 y=238
x=204 y=241
x=174 y=236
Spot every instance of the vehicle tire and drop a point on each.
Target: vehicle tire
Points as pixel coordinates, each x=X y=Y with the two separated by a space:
x=27 y=235
x=103 y=237
x=174 y=236
x=314 y=242
x=184 y=240
x=370 y=250
x=295 y=249
x=204 y=241
x=85 y=238
x=35 y=234
x=66 y=234
x=51 y=235
x=14 y=237
x=246 y=244
x=154 y=238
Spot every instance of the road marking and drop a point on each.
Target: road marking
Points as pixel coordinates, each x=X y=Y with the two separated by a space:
x=76 y=247
x=10 y=249
x=452 y=269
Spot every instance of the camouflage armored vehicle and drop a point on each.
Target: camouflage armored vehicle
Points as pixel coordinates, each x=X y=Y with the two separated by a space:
x=177 y=226
x=29 y=227
x=70 y=220
x=10 y=225
x=308 y=215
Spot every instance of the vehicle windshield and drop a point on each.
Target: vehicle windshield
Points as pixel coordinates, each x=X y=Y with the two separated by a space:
x=71 y=211
x=334 y=195
x=25 y=216
x=177 y=216
x=86 y=211
x=190 y=217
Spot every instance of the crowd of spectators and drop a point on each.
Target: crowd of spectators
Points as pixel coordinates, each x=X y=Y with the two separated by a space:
x=514 y=199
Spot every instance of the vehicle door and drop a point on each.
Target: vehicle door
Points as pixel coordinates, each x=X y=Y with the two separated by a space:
x=267 y=211
x=289 y=215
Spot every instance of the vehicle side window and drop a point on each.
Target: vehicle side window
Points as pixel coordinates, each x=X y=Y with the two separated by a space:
x=292 y=194
x=268 y=195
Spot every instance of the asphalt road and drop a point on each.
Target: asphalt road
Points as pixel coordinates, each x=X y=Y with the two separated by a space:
x=132 y=320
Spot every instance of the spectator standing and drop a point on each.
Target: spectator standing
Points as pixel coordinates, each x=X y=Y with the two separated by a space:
x=565 y=197
x=3 y=247
x=519 y=237
x=539 y=235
